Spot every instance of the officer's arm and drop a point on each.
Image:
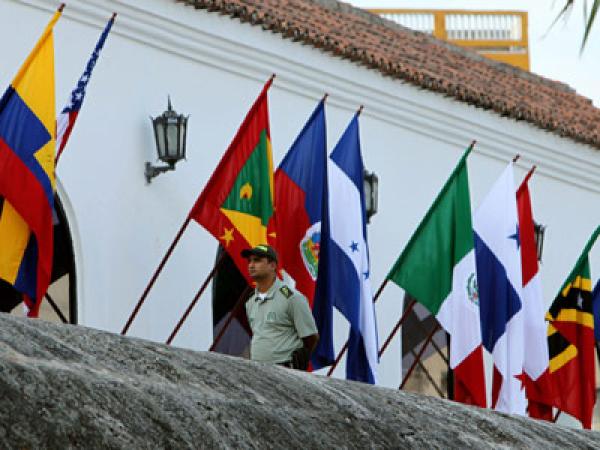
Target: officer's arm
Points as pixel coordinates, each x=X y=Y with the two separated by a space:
x=310 y=342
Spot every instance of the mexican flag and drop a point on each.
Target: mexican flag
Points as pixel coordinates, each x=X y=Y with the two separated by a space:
x=437 y=268
x=236 y=206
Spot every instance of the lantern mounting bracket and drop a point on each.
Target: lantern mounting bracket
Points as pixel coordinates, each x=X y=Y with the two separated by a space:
x=153 y=171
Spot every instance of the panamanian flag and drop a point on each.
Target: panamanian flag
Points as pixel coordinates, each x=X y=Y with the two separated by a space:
x=67 y=117
x=344 y=278
x=299 y=183
x=499 y=276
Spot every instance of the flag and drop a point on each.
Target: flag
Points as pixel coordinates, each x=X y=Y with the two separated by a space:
x=299 y=182
x=27 y=184
x=437 y=267
x=499 y=278
x=236 y=206
x=343 y=278
x=66 y=119
x=571 y=342
x=596 y=308
x=538 y=386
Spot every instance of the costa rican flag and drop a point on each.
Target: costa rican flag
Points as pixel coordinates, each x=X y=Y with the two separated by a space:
x=66 y=119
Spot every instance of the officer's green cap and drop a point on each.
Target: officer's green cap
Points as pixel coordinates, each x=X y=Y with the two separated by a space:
x=261 y=250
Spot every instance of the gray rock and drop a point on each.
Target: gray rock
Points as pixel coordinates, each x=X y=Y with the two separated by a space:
x=64 y=386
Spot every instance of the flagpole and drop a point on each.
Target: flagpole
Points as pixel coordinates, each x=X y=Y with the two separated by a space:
x=196 y=297
x=238 y=304
x=56 y=308
x=155 y=275
x=421 y=351
x=345 y=347
x=429 y=377
x=408 y=309
x=434 y=345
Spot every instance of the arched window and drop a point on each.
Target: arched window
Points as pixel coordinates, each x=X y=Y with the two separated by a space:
x=60 y=303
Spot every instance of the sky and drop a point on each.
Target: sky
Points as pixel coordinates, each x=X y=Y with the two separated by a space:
x=554 y=52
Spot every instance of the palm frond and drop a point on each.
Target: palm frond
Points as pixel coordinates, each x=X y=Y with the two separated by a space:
x=589 y=22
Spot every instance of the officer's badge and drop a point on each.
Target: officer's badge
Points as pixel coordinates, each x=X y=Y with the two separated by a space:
x=286 y=291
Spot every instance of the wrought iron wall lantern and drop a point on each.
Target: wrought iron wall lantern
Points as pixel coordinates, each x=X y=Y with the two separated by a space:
x=170 y=132
x=371 y=187
x=539 y=231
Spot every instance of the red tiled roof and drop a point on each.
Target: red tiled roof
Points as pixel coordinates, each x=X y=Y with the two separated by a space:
x=419 y=59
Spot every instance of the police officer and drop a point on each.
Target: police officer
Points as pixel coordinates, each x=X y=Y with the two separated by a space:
x=283 y=327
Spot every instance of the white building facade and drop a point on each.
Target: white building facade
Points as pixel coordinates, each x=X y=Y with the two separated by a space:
x=213 y=67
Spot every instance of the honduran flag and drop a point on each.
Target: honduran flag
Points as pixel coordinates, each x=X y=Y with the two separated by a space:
x=66 y=119
x=498 y=261
x=343 y=277
x=299 y=182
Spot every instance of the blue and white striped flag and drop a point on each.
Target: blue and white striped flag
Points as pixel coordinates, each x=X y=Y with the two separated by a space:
x=343 y=276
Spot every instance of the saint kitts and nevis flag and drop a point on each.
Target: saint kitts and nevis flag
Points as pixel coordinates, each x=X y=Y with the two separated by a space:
x=571 y=343
x=237 y=206
x=27 y=183
x=437 y=268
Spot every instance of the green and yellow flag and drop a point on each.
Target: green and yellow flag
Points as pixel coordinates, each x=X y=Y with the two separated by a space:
x=236 y=206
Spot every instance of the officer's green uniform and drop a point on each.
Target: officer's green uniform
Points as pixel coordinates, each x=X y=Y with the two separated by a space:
x=279 y=322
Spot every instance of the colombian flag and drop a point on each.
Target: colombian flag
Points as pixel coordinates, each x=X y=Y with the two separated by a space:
x=236 y=206
x=27 y=183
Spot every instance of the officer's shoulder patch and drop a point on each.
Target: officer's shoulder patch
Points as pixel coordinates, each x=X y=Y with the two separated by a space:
x=286 y=291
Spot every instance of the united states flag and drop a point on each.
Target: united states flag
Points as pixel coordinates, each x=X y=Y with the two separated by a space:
x=66 y=119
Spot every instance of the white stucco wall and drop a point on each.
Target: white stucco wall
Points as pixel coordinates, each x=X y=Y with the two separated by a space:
x=213 y=67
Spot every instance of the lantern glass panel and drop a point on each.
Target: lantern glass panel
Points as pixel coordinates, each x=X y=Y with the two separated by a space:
x=182 y=136
x=172 y=137
x=368 y=195
x=159 y=136
x=374 y=193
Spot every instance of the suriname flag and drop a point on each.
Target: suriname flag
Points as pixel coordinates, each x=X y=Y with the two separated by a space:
x=236 y=206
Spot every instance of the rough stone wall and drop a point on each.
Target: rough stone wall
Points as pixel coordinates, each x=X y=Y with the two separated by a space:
x=74 y=387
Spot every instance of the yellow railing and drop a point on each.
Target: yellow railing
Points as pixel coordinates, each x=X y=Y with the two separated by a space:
x=500 y=35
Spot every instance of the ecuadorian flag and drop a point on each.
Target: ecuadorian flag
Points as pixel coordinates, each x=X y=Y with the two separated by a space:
x=27 y=184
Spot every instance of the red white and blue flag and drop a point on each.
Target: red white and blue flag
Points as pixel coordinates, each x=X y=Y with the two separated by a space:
x=499 y=277
x=298 y=192
x=66 y=119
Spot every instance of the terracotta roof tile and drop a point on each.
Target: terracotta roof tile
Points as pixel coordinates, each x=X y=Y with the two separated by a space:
x=419 y=59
